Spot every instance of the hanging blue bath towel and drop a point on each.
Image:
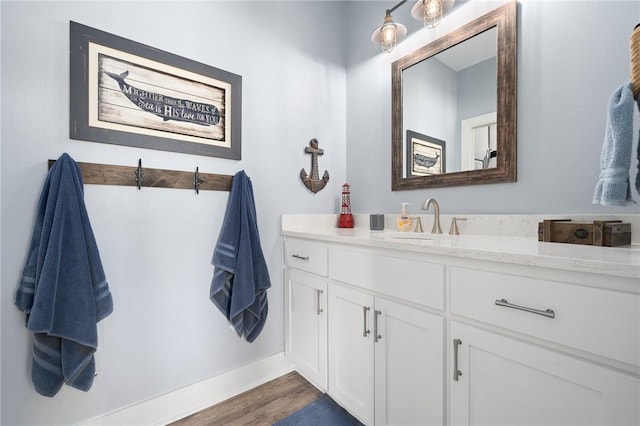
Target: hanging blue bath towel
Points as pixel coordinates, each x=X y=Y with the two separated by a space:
x=613 y=187
x=63 y=289
x=240 y=277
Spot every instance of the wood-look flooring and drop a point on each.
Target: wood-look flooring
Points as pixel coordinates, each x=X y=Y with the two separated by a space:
x=263 y=405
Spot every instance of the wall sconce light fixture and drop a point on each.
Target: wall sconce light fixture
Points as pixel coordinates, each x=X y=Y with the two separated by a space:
x=431 y=12
x=389 y=32
x=428 y=11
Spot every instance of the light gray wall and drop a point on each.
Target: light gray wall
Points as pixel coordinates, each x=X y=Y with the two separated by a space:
x=571 y=56
x=156 y=244
x=477 y=98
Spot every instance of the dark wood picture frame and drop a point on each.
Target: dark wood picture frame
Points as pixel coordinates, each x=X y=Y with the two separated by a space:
x=426 y=155
x=126 y=93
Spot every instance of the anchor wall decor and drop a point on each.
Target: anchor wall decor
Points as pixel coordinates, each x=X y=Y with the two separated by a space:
x=313 y=182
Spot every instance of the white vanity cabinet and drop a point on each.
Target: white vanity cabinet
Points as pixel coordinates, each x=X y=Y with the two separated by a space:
x=357 y=326
x=351 y=380
x=385 y=359
x=306 y=309
x=536 y=366
x=507 y=381
x=462 y=333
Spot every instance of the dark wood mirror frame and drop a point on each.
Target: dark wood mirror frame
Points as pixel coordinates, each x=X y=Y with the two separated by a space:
x=505 y=19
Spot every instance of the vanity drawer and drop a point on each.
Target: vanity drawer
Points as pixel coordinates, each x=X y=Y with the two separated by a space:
x=306 y=256
x=407 y=279
x=599 y=321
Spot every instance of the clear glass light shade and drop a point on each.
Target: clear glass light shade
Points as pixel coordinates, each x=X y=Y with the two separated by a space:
x=388 y=34
x=432 y=13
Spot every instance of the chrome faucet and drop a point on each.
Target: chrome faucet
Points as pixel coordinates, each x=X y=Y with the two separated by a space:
x=436 y=214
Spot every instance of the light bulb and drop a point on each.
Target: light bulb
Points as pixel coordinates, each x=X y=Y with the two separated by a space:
x=388 y=35
x=432 y=13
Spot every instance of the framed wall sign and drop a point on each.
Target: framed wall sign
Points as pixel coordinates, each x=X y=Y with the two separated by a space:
x=425 y=155
x=126 y=93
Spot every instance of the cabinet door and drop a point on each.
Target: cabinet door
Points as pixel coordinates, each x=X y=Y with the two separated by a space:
x=351 y=351
x=306 y=321
x=505 y=381
x=409 y=367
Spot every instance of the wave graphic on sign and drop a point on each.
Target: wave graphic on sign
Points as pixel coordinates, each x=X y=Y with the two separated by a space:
x=167 y=107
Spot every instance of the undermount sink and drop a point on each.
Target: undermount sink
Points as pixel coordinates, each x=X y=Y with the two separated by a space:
x=410 y=236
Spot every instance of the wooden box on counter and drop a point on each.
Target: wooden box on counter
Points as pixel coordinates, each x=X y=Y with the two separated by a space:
x=610 y=233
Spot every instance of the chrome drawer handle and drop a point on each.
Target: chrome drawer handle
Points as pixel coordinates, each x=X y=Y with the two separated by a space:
x=376 y=335
x=365 y=332
x=546 y=313
x=318 y=295
x=297 y=256
x=456 y=373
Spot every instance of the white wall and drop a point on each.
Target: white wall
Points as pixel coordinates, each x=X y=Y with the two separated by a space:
x=571 y=56
x=156 y=244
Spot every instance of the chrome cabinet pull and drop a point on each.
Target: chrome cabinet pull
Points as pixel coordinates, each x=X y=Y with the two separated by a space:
x=376 y=336
x=456 y=373
x=546 y=313
x=365 y=309
x=297 y=256
x=318 y=308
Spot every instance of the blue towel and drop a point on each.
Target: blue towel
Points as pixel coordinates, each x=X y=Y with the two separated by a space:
x=613 y=187
x=240 y=278
x=63 y=289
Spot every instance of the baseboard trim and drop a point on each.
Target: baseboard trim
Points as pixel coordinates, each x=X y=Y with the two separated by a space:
x=183 y=402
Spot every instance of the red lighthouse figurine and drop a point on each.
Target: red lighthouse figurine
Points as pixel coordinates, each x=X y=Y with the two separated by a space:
x=346 y=218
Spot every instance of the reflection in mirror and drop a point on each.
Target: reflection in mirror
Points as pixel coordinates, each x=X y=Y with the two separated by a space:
x=454 y=107
x=445 y=95
x=479 y=142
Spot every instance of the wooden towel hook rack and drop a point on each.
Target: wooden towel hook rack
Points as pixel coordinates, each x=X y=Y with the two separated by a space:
x=107 y=174
x=635 y=61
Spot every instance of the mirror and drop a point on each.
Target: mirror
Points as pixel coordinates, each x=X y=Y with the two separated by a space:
x=454 y=107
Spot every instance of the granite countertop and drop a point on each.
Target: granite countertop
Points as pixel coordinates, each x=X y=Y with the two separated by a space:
x=621 y=261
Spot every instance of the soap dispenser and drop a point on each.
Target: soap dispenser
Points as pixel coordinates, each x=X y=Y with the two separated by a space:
x=403 y=221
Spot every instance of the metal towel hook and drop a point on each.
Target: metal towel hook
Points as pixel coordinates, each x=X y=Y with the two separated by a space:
x=139 y=174
x=197 y=180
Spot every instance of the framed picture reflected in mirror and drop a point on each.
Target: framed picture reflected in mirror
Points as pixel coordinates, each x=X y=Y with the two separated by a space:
x=425 y=155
